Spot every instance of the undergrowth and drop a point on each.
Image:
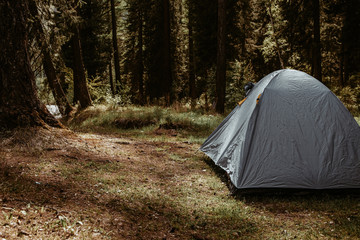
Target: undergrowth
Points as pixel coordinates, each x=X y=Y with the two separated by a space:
x=156 y=123
x=147 y=121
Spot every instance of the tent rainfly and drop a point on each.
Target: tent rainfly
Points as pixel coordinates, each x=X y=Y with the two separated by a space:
x=290 y=131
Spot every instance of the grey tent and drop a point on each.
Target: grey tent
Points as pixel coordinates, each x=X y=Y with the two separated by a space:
x=291 y=131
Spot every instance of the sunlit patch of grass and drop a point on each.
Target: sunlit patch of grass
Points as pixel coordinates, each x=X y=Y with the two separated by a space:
x=141 y=122
x=176 y=157
x=189 y=211
x=358 y=120
x=188 y=204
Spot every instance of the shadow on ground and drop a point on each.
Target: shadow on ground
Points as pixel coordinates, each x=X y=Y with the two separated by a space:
x=342 y=206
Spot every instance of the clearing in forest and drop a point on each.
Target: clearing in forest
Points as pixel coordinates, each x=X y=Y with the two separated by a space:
x=146 y=183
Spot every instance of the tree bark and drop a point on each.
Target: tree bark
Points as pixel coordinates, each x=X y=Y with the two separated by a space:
x=111 y=79
x=192 y=85
x=221 y=58
x=19 y=104
x=275 y=37
x=316 y=53
x=63 y=104
x=115 y=45
x=346 y=63
x=350 y=38
x=167 y=76
x=138 y=66
x=81 y=93
x=343 y=61
x=60 y=98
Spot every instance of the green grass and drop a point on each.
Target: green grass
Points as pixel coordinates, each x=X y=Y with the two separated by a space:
x=197 y=204
x=142 y=122
x=140 y=184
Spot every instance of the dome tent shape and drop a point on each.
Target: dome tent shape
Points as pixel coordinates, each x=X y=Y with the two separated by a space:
x=291 y=131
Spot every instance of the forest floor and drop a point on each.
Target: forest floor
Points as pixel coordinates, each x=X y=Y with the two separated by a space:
x=149 y=183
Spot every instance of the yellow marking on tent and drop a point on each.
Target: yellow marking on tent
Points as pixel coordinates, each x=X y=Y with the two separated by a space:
x=258 y=99
x=241 y=102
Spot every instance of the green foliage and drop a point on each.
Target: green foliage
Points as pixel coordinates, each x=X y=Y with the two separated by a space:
x=350 y=97
x=145 y=120
x=93 y=20
x=44 y=91
x=253 y=45
x=238 y=76
x=100 y=92
x=68 y=84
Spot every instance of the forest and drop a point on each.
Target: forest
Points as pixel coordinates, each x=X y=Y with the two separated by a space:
x=187 y=52
x=139 y=86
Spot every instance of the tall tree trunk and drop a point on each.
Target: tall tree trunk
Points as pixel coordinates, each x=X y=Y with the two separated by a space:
x=140 y=63
x=137 y=87
x=60 y=98
x=316 y=50
x=275 y=37
x=192 y=85
x=111 y=79
x=221 y=58
x=63 y=104
x=115 y=45
x=350 y=41
x=167 y=75
x=81 y=92
x=346 y=64
x=19 y=104
x=344 y=76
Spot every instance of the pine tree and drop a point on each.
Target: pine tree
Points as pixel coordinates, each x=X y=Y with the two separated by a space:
x=316 y=46
x=157 y=55
x=63 y=104
x=115 y=44
x=350 y=40
x=81 y=92
x=94 y=36
x=134 y=68
x=221 y=57
x=19 y=104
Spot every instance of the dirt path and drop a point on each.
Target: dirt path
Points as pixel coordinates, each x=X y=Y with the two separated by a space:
x=95 y=186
